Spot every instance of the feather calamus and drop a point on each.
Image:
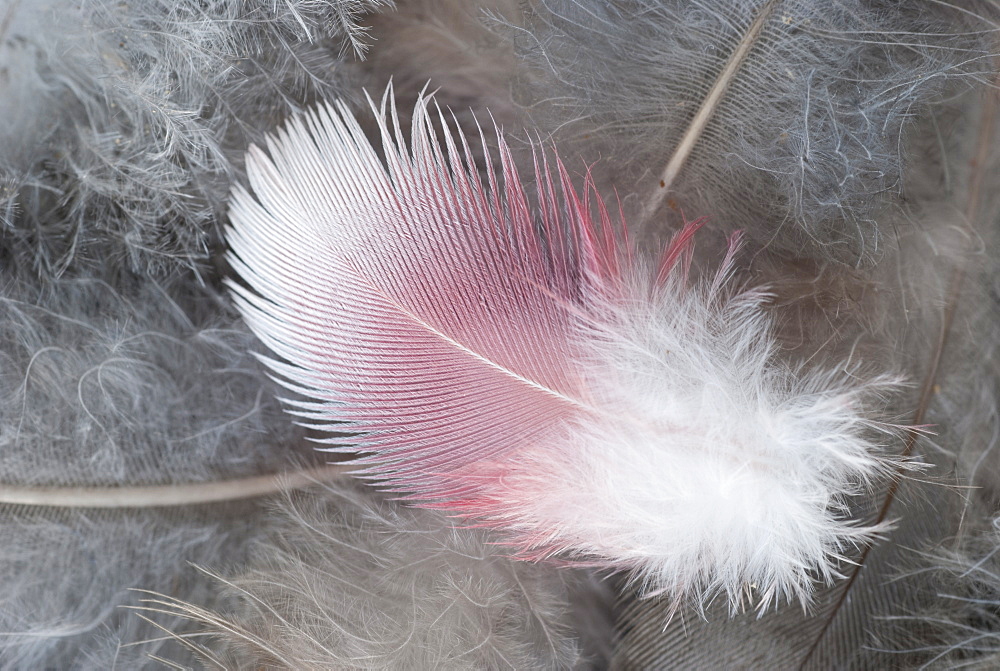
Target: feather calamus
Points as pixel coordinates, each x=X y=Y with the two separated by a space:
x=536 y=373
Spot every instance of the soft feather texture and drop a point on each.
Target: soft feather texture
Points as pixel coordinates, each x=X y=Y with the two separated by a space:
x=344 y=579
x=102 y=386
x=962 y=629
x=956 y=625
x=114 y=169
x=805 y=147
x=846 y=627
x=120 y=366
x=896 y=312
x=448 y=46
x=141 y=384
x=555 y=384
x=121 y=120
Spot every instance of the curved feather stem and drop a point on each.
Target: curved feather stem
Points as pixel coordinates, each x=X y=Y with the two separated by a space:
x=157 y=496
x=707 y=109
x=985 y=145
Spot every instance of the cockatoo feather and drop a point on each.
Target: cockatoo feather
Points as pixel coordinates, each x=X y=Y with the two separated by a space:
x=536 y=372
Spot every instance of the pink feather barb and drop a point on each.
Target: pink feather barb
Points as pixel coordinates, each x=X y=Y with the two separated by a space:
x=538 y=374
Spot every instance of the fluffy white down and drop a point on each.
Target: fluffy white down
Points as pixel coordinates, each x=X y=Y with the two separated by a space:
x=713 y=469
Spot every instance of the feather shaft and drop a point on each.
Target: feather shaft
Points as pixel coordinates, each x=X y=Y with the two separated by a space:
x=159 y=496
x=693 y=133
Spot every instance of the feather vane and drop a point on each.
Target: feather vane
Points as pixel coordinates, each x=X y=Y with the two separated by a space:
x=536 y=372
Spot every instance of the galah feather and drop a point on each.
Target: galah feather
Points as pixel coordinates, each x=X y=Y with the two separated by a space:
x=520 y=362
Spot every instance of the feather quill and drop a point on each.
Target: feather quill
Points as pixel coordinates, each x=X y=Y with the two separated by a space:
x=547 y=381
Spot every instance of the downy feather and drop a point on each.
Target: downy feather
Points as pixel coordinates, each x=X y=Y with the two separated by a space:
x=341 y=578
x=786 y=118
x=122 y=120
x=119 y=386
x=544 y=377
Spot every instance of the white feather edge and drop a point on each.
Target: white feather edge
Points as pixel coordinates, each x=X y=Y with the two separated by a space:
x=750 y=498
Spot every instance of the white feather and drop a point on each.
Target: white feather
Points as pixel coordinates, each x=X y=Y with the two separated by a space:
x=569 y=398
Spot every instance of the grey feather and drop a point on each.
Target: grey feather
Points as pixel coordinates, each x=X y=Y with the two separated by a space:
x=805 y=148
x=344 y=579
x=119 y=387
x=120 y=366
x=121 y=384
x=125 y=122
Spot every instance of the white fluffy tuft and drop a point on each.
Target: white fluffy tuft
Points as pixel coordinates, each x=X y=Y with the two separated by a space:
x=713 y=469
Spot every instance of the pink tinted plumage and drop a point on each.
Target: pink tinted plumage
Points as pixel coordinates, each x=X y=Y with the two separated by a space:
x=526 y=367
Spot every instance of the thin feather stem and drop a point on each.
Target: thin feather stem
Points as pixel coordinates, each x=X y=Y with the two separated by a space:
x=157 y=496
x=707 y=109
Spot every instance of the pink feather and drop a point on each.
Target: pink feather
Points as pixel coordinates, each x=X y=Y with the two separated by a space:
x=535 y=372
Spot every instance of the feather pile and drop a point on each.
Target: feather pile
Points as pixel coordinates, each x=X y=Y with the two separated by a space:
x=123 y=373
x=352 y=581
x=607 y=403
x=123 y=125
x=805 y=147
x=126 y=387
